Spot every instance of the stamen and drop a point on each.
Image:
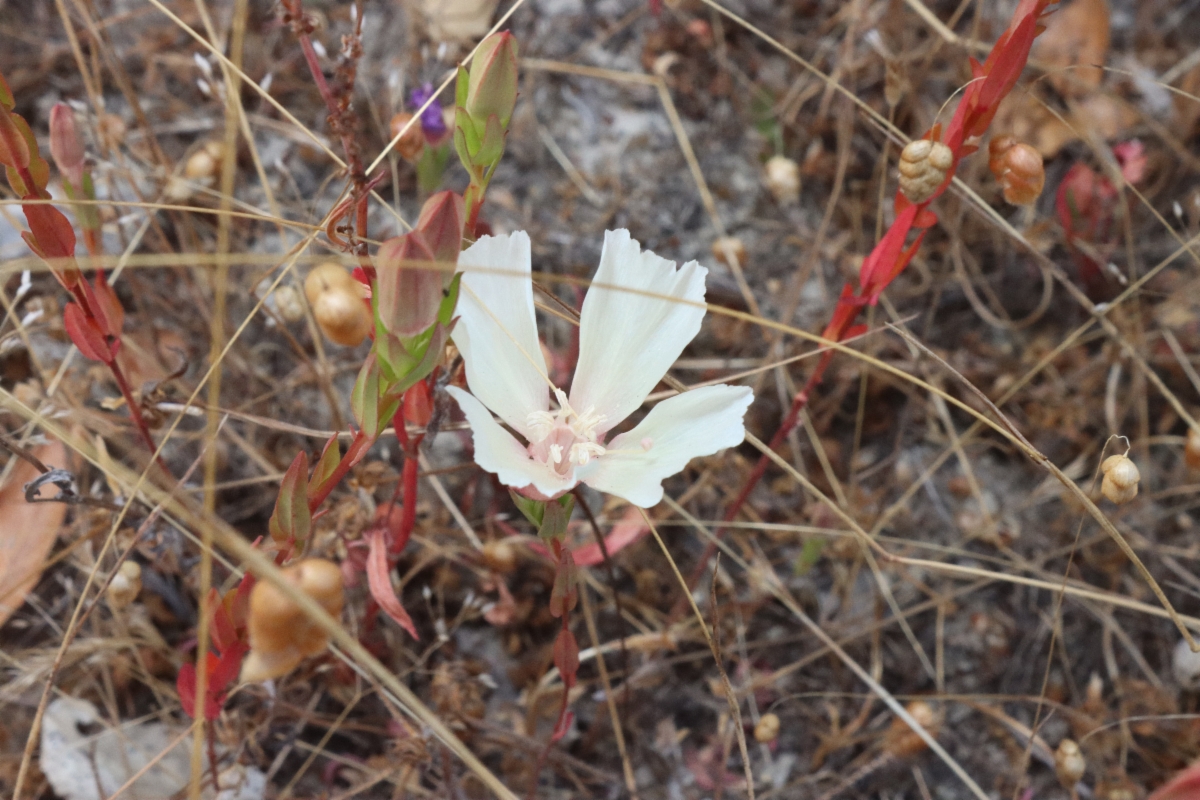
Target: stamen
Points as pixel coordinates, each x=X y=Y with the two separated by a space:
x=583 y=452
x=556 y=453
x=540 y=423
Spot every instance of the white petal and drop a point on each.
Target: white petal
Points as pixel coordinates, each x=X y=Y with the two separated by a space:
x=497 y=331
x=498 y=451
x=695 y=423
x=628 y=340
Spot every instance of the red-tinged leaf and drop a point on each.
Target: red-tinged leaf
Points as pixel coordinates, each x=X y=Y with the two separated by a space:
x=565 y=592
x=14 y=147
x=364 y=398
x=1184 y=786
x=292 y=519
x=566 y=656
x=110 y=305
x=85 y=334
x=925 y=219
x=380 y=583
x=843 y=314
x=238 y=602
x=441 y=223
x=901 y=263
x=185 y=685
x=222 y=630
x=631 y=528
x=562 y=726
x=326 y=466
x=7 y=102
x=855 y=330
x=880 y=261
x=52 y=229
x=226 y=670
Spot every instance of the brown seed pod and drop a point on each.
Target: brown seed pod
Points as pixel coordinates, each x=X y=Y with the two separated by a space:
x=1121 y=476
x=1191 y=450
x=337 y=302
x=1069 y=763
x=281 y=635
x=204 y=163
x=767 y=729
x=1019 y=169
x=924 y=165
x=413 y=140
x=902 y=741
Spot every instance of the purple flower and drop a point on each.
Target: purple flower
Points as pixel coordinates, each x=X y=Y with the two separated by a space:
x=432 y=122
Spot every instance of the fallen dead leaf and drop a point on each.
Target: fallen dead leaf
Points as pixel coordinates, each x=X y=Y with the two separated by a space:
x=27 y=530
x=1075 y=46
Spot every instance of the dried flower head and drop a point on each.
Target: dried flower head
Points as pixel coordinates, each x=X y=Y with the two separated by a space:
x=281 y=635
x=1018 y=167
x=1121 y=476
x=337 y=302
x=924 y=165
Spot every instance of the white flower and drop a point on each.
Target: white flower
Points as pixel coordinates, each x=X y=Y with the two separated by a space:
x=628 y=338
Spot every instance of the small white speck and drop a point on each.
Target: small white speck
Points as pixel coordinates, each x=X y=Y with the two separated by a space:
x=320 y=48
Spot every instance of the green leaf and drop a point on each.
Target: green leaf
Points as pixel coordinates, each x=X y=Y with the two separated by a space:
x=450 y=301
x=491 y=145
x=331 y=456
x=556 y=517
x=532 y=509
x=810 y=554
x=364 y=398
x=6 y=96
x=462 y=87
x=292 y=519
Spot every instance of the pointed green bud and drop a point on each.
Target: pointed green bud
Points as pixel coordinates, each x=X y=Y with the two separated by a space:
x=492 y=86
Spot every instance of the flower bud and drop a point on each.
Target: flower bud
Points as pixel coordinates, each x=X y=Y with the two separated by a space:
x=783 y=179
x=1121 y=476
x=492 y=87
x=1069 y=763
x=441 y=225
x=413 y=141
x=408 y=298
x=767 y=729
x=1019 y=169
x=337 y=302
x=281 y=635
x=65 y=145
x=124 y=587
x=924 y=165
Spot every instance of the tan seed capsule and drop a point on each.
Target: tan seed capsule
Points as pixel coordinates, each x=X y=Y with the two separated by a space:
x=923 y=168
x=337 y=302
x=727 y=248
x=281 y=635
x=783 y=180
x=902 y=741
x=288 y=303
x=1120 y=484
x=1019 y=169
x=204 y=163
x=413 y=141
x=124 y=587
x=1069 y=763
x=767 y=729
x=1191 y=450
x=500 y=555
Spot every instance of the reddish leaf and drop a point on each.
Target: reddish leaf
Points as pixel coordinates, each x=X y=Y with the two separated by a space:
x=441 y=223
x=86 y=335
x=292 y=520
x=881 y=260
x=565 y=592
x=14 y=147
x=1184 y=786
x=55 y=240
x=226 y=670
x=418 y=404
x=110 y=306
x=631 y=528
x=566 y=656
x=331 y=455
x=380 y=583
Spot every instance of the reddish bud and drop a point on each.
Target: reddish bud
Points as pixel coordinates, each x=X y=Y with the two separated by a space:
x=441 y=223
x=65 y=145
x=408 y=297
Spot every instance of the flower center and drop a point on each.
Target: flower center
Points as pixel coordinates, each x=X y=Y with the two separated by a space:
x=564 y=438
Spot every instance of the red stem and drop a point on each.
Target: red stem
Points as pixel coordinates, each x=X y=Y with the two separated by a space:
x=135 y=413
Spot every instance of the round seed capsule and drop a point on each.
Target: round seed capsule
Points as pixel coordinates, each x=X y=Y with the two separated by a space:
x=1069 y=763
x=1121 y=476
x=281 y=635
x=924 y=165
x=1019 y=169
x=767 y=729
x=337 y=302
